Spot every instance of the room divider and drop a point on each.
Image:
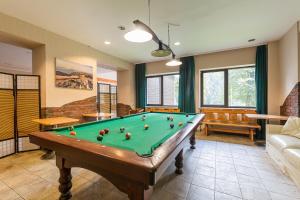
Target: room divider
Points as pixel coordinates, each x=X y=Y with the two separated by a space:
x=107 y=98
x=20 y=103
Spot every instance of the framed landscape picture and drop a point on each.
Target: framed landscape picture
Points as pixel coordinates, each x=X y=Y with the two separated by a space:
x=73 y=75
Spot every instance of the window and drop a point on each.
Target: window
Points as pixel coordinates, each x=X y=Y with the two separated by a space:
x=162 y=90
x=234 y=87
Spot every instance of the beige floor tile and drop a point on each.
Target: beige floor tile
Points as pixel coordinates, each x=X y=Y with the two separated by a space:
x=10 y=170
x=222 y=196
x=204 y=181
x=254 y=193
x=199 y=193
x=227 y=168
x=7 y=193
x=284 y=189
x=37 y=190
x=276 y=196
x=178 y=186
x=230 y=188
x=205 y=170
x=20 y=179
x=162 y=194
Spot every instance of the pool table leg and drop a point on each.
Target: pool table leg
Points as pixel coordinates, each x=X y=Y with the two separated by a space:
x=193 y=141
x=137 y=192
x=179 y=162
x=65 y=183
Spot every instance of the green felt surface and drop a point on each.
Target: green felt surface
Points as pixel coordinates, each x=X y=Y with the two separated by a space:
x=143 y=142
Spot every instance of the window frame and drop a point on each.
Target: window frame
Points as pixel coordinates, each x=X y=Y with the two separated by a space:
x=161 y=76
x=226 y=86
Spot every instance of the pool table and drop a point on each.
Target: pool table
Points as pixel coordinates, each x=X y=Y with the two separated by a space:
x=133 y=165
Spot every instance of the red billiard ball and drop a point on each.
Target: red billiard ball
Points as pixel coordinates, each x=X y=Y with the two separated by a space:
x=171 y=125
x=128 y=136
x=180 y=124
x=106 y=130
x=73 y=133
x=101 y=132
x=146 y=127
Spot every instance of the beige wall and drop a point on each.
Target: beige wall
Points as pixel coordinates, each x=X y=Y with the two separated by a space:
x=288 y=61
x=39 y=67
x=126 y=87
x=160 y=68
x=274 y=102
x=60 y=47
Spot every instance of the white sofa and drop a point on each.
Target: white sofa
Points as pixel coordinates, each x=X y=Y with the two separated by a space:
x=284 y=150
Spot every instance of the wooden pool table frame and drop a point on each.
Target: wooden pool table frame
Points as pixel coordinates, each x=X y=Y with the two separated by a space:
x=129 y=172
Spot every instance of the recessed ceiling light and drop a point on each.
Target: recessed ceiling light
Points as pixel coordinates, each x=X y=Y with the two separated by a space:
x=107 y=42
x=252 y=40
x=177 y=43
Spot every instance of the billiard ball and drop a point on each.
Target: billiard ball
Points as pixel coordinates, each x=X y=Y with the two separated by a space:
x=122 y=129
x=73 y=133
x=187 y=115
x=171 y=125
x=168 y=118
x=106 y=130
x=99 y=138
x=101 y=132
x=71 y=128
x=180 y=124
x=143 y=118
x=128 y=136
x=171 y=118
x=146 y=127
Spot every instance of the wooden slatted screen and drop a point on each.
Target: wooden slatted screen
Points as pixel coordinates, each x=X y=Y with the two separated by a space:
x=28 y=108
x=107 y=98
x=113 y=99
x=7 y=132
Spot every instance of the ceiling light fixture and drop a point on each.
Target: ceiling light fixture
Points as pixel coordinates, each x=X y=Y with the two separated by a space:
x=144 y=33
x=139 y=34
x=107 y=42
x=177 y=43
x=174 y=62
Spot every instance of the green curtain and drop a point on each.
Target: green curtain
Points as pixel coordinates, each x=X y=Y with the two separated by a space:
x=140 y=85
x=186 y=102
x=261 y=81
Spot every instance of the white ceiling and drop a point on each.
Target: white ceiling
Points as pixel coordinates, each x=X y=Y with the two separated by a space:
x=205 y=25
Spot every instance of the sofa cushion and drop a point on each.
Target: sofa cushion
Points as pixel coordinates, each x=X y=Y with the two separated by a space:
x=284 y=141
x=293 y=157
x=292 y=127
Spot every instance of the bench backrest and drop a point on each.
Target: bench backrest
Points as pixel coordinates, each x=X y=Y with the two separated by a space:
x=162 y=109
x=232 y=115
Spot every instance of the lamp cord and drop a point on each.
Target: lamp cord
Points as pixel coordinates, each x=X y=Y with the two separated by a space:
x=149 y=10
x=169 y=34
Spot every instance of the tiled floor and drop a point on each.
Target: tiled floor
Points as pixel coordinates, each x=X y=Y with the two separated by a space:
x=215 y=170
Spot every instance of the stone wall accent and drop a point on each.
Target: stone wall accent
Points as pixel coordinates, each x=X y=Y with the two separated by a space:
x=291 y=105
x=74 y=109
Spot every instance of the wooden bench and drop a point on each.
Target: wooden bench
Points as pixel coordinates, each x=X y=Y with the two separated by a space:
x=162 y=109
x=229 y=120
